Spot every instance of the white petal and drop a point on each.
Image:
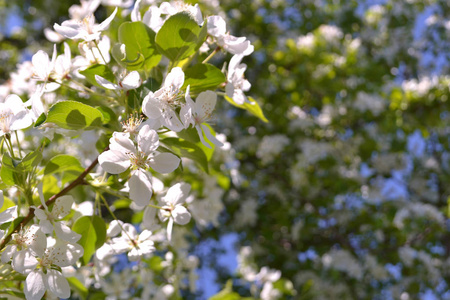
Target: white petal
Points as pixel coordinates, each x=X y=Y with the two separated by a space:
x=169 y=229
x=113 y=162
x=151 y=106
x=70 y=32
x=106 y=83
x=8 y=253
x=23 y=261
x=62 y=206
x=149 y=219
x=65 y=255
x=148 y=140
x=120 y=142
x=34 y=287
x=140 y=187
x=202 y=139
x=186 y=116
x=21 y=120
x=53 y=36
x=135 y=14
x=41 y=63
x=131 y=81
x=105 y=24
x=181 y=215
x=64 y=233
x=165 y=163
x=36 y=240
x=114 y=228
x=216 y=26
x=57 y=284
x=8 y=215
x=210 y=137
x=177 y=194
x=229 y=89
x=205 y=103
x=175 y=78
x=171 y=120
x=40 y=214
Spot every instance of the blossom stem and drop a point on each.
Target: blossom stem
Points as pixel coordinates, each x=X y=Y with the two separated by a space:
x=18 y=145
x=79 y=180
x=155 y=206
x=211 y=55
x=99 y=51
x=115 y=218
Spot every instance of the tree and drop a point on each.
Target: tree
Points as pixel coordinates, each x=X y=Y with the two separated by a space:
x=335 y=185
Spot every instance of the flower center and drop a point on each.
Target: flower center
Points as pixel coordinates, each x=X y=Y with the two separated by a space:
x=5 y=120
x=139 y=160
x=170 y=95
x=132 y=124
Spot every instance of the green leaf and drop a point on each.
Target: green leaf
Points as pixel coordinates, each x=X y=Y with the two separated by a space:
x=140 y=46
x=180 y=37
x=40 y=120
x=202 y=77
x=252 y=107
x=191 y=135
x=189 y=150
x=30 y=161
x=7 y=203
x=93 y=235
x=74 y=115
x=100 y=70
x=109 y=116
x=8 y=172
x=79 y=287
x=63 y=163
x=228 y=294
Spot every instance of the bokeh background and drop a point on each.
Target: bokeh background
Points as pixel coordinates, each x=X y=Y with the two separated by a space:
x=345 y=190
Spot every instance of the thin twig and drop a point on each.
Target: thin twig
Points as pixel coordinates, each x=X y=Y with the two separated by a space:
x=76 y=182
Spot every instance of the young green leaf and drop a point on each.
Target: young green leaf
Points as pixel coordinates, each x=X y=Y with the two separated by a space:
x=202 y=77
x=180 y=37
x=74 y=115
x=140 y=47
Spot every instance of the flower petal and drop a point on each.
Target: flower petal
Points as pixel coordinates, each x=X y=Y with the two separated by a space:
x=140 y=187
x=148 y=140
x=131 y=81
x=34 y=287
x=175 y=78
x=113 y=162
x=165 y=163
x=58 y=284
x=181 y=215
x=62 y=206
x=211 y=137
x=106 y=83
x=205 y=103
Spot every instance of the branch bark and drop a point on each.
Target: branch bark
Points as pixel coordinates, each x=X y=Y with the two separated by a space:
x=79 y=180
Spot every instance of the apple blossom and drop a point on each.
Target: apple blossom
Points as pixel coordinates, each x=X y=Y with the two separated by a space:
x=161 y=104
x=234 y=45
x=199 y=112
x=129 y=82
x=172 y=207
x=237 y=84
x=51 y=221
x=123 y=154
x=85 y=29
x=46 y=277
x=13 y=115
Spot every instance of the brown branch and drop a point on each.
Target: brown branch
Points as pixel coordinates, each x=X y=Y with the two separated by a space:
x=78 y=181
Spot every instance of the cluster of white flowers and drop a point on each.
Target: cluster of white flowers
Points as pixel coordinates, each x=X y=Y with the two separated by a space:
x=271 y=146
x=138 y=164
x=367 y=102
